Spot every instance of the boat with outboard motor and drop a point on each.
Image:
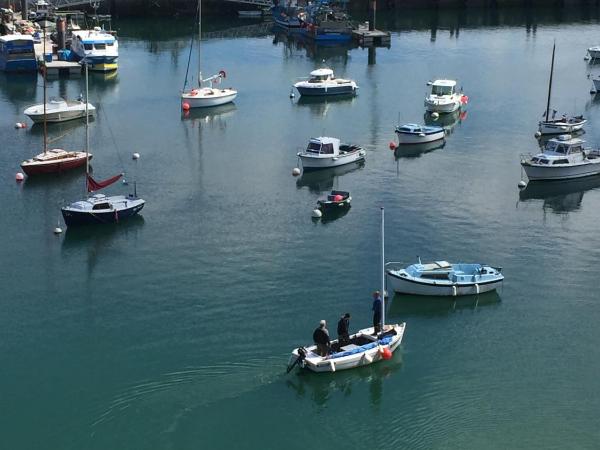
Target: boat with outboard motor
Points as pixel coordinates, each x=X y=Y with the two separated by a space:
x=362 y=348
x=411 y=133
x=440 y=278
x=326 y=152
x=443 y=97
x=563 y=158
x=323 y=82
x=59 y=110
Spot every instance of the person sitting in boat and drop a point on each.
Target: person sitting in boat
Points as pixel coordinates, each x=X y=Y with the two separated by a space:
x=342 y=329
x=376 y=312
x=321 y=338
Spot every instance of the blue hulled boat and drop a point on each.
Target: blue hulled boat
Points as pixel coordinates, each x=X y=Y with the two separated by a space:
x=17 y=53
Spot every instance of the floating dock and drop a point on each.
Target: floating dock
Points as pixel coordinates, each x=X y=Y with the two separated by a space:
x=372 y=38
x=56 y=68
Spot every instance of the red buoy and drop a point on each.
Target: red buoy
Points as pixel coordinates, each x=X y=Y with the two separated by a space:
x=464 y=99
x=185 y=106
x=392 y=145
x=387 y=353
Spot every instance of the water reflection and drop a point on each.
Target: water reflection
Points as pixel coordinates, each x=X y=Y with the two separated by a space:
x=295 y=44
x=559 y=197
x=403 y=305
x=543 y=140
x=215 y=116
x=320 y=106
x=18 y=88
x=446 y=121
x=320 y=387
x=333 y=215
x=416 y=150
x=59 y=130
x=319 y=181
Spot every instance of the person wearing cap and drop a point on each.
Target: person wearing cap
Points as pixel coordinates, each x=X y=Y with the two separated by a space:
x=342 y=330
x=321 y=338
x=376 y=311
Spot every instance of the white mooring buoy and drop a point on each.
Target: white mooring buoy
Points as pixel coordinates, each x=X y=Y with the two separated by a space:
x=317 y=213
x=538 y=135
x=57 y=230
x=19 y=176
x=522 y=184
x=435 y=116
x=136 y=155
x=295 y=171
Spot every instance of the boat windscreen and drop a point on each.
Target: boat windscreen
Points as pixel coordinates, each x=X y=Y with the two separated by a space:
x=313 y=147
x=441 y=90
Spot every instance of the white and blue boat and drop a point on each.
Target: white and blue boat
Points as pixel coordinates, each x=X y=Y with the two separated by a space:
x=411 y=133
x=440 y=278
x=17 y=53
x=323 y=82
x=98 y=47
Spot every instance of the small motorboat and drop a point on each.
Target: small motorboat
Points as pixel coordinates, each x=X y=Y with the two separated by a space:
x=334 y=201
x=54 y=161
x=59 y=110
x=326 y=152
x=444 y=98
x=594 y=52
x=411 y=133
x=440 y=278
x=563 y=158
x=323 y=82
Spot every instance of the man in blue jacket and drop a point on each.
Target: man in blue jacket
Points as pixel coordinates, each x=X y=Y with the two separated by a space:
x=376 y=312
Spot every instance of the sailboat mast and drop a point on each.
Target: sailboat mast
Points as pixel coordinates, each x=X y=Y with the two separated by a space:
x=382 y=269
x=199 y=42
x=550 y=83
x=44 y=71
x=87 y=128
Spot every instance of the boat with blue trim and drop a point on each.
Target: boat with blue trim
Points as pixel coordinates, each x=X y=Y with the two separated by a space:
x=440 y=278
x=323 y=82
x=411 y=133
x=17 y=53
x=99 y=48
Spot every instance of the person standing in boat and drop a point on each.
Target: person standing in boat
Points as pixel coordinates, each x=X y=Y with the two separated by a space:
x=321 y=338
x=342 y=329
x=376 y=312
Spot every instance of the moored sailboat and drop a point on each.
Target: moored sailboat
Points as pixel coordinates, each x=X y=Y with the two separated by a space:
x=203 y=97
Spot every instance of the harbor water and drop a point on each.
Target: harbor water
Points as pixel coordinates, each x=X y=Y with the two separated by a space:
x=173 y=330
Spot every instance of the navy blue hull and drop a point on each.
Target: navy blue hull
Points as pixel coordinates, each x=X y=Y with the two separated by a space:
x=343 y=90
x=78 y=218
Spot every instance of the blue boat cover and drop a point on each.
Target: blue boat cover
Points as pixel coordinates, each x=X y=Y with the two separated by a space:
x=363 y=348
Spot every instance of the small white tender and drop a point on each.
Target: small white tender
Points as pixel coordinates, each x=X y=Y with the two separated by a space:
x=326 y=152
x=59 y=110
x=443 y=97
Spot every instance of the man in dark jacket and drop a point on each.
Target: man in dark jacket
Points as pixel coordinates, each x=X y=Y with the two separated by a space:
x=342 y=329
x=321 y=338
x=376 y=312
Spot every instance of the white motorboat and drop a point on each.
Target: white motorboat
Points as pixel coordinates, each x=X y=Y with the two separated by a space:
x=444 y=98
x=440 y=278
x=594 y=52
x=326 y=152
x=563 y=124
x=411 y=133
x=202 y=96
x=323 y=82
x=59 y=110
x=362 y=348
x=98 y=47
x=563 y=158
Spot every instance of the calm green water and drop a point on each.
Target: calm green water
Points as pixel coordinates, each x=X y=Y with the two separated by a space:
x=173 y=331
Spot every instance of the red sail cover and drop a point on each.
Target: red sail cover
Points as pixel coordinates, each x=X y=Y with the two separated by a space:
x=93 y=185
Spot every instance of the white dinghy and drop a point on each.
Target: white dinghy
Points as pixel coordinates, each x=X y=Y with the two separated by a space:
x=59 y=110
x=363 y=348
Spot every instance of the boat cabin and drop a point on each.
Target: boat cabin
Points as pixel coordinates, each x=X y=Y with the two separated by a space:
x=323 y=146
x=320 y=75
x=443 y=87
x=562 y=150
x=17 y=53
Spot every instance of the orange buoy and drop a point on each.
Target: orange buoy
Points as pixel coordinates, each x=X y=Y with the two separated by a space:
x=19 y=176
x=185 y=106
x=392 y=145
x=386 y=353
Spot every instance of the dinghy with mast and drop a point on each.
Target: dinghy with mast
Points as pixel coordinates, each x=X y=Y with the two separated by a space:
x=99 y=208
x=55 y=160
x=564 y=124
x=362 y=348
x=203 y=97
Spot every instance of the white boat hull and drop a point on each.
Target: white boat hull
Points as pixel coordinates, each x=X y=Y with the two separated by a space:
x=594 y=52
x=405 y=138
x=562 y=173
x=407 y=285
x=319 y=364
x=36 y=113
x=560 y=127
x=325 y=162
x=207 y=97
x=442 y=105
